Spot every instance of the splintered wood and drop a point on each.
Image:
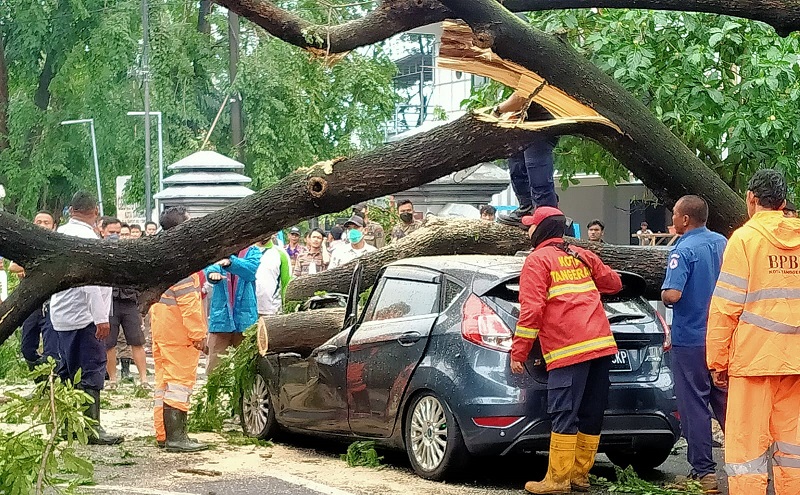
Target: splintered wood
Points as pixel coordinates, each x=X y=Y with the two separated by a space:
x=459 y=52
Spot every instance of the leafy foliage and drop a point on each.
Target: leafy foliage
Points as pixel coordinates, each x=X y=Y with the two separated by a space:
x=57 y=408
x=629 y=482
x=12 y=364
x=80 y=59
x=362 y=454
x=220 y=398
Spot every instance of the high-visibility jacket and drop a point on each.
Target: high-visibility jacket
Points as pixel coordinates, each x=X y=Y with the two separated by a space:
x=754 y=319
x=560 y=304
x=177 y=318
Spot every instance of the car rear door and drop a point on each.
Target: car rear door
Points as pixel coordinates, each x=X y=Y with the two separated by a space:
x=388 y=343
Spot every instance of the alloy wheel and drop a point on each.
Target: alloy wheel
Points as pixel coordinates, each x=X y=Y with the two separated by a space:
x=255 y=407
x=428 y=433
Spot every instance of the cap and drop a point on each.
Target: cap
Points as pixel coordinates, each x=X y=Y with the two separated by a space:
x=294 y=230
x=355 y=220
x=540 y=214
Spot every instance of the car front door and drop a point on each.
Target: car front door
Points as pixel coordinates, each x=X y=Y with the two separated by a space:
x=387 y=345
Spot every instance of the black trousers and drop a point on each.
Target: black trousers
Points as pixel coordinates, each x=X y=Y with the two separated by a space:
x=577 y=396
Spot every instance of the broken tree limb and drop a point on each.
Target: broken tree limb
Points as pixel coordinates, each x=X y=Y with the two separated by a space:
x=458 y=236
x=645 y=145
x=392 y=17
x=299 y=332
x=55 y=262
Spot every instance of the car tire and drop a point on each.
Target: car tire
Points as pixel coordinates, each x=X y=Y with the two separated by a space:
x=434 y=443
x=258 y=415
x=643 y=460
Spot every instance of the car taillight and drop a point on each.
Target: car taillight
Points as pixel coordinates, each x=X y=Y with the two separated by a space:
x=481 y=325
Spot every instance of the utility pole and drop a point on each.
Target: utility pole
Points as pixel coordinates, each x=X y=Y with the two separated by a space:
x=148 y=186
x=236 y=102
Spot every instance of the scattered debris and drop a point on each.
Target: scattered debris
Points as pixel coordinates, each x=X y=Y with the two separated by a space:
x=201 y=472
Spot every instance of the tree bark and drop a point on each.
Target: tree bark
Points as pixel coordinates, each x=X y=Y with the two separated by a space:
x=3 y=96
x=299 y=332
x=447 y=237
x=645 y=145
x=202 y=17
x=396 y=16
x=55 y=262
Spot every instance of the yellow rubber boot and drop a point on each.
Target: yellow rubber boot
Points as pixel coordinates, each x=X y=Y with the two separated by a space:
x=585 y=450
x=562 y=458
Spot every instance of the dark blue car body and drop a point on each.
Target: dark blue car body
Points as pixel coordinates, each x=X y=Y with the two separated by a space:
x=409 y=342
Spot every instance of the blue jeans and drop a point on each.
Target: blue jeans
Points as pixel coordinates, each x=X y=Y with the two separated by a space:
x=81 y=350
x=35 y=327
x=531 y=173
x=697 y=397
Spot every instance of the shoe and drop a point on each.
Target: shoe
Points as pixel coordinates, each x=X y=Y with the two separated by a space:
x=175 y=426
x=125 y=369
x=708 y=483
x=514 y=219
x=100 y=437
x=146 y=386
x=585 y=451
x=161 y=444
x=559 y=467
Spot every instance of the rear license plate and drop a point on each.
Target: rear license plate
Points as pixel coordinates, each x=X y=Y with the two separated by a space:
x=621 y=361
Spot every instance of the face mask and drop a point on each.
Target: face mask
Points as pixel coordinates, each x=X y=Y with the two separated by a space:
x=113 y=237
x=355 y=236
x=406 y=217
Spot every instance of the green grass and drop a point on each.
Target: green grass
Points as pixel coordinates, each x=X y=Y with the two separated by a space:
x=13 y=368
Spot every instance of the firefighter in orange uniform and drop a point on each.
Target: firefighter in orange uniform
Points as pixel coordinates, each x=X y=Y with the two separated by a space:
x=753 y=343
x=559 y=294
x=179 y=331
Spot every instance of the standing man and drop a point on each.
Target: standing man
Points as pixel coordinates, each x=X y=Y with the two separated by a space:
x=294 y=248
x=531 y=169
x=38 y=327
x=136 y=231
x=373 y=231
x=150 y=228
x=233 y=302
x=559 y=294
x=407 y=223
x=335 y=238
x=80 y=319
x=354 y=229
x=315 y=259
x=596 y=229
x=179 y=334
x=753 y=343
x=692 y=272
x=272 y=277
x=644 y=234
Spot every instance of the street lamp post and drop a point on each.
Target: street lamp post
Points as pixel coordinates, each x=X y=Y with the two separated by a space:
x=160 y=146
x=94 y=155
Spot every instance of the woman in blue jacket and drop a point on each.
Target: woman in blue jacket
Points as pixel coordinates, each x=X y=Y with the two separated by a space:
x=233 y=301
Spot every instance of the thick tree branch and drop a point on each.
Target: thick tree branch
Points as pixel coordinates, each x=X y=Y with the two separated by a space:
x=646 y=146
x=451 y=236
x=396 y=16
x=56 y=262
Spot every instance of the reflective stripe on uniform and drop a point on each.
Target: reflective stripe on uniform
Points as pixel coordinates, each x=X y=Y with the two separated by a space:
x=526 y=333
x=562 y=289
x=730 y=295
x=183 y=291
x=763 y=294
x=733 y=280
x=756 y=466
x=178 y=393
x=768 y=324
x=168 y=301
x=580 y=348
x=783 y=461
x=788 y=448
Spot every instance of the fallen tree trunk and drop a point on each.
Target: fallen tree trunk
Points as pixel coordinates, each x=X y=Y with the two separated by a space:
x=443 y=237
x=299 y=332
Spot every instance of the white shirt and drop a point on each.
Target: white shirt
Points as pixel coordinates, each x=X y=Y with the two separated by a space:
x=268 y=281
x=76 y=308
x=346 y=253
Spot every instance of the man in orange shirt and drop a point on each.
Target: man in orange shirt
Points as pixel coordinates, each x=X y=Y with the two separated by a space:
x=179 y=334
x=753 y=342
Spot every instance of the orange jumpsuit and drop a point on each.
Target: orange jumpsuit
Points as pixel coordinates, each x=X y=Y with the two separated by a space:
x=176 y=321
x=754 y=335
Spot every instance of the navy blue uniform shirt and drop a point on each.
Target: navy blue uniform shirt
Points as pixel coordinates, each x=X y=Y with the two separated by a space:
x=693 y=268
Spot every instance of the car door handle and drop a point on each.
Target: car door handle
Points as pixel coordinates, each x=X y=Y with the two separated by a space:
x=409 y=338
x=325 y=349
